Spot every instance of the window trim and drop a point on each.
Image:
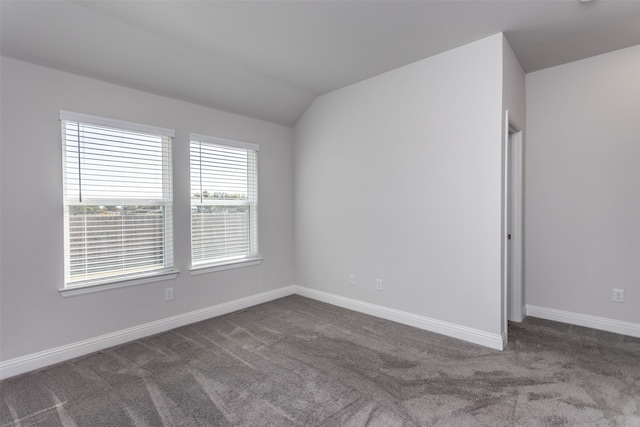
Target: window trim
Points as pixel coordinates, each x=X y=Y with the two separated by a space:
x=115 y=123
x=226 y=265
x=223 y=141
x=112 y=283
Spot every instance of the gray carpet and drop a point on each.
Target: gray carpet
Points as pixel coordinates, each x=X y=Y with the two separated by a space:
x=299 y=362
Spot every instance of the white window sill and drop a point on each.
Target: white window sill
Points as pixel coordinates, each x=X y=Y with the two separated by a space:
x=123 y=283
x=228 y=265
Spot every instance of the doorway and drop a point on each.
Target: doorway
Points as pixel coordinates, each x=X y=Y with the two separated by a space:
x=514 y=230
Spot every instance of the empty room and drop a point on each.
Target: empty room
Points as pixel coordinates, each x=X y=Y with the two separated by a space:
x=320 y=213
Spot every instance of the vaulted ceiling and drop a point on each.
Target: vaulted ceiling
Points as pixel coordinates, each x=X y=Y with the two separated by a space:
x=270 y=59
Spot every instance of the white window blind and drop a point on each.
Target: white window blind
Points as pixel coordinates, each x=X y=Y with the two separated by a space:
x=224 y=201
x=117 y=199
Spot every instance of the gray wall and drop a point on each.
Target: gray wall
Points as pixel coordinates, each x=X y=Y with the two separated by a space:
x=398 y=177
x=583 y=186
x=33 y=315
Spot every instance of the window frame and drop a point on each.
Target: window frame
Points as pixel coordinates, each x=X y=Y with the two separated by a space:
x=253 y=257
x=117 y=279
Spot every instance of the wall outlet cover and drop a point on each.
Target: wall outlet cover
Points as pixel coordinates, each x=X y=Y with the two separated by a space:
x=618 y=295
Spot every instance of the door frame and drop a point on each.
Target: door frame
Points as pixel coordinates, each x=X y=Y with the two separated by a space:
x=513 y=295
x=514 y=142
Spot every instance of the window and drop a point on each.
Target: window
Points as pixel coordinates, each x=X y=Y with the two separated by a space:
x=117 y=200
x=224 y=202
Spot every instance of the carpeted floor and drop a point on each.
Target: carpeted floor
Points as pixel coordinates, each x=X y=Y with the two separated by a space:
x=299 y=362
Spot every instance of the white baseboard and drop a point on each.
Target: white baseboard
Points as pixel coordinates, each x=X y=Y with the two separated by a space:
x=30 y=362
x=595 y=322
x=453 y=330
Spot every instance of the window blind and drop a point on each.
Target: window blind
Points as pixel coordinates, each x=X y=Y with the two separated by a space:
x=224 y=201
x=117 y=199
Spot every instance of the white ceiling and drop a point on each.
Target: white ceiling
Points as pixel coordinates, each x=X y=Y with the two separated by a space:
x=269 y=60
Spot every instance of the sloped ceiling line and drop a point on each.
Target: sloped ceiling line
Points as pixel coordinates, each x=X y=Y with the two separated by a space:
x=269 y=60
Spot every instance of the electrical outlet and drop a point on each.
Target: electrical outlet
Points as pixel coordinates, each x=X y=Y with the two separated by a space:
x=352 y=279
x=618 y=295
x=168 y=294
x=379 y=285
